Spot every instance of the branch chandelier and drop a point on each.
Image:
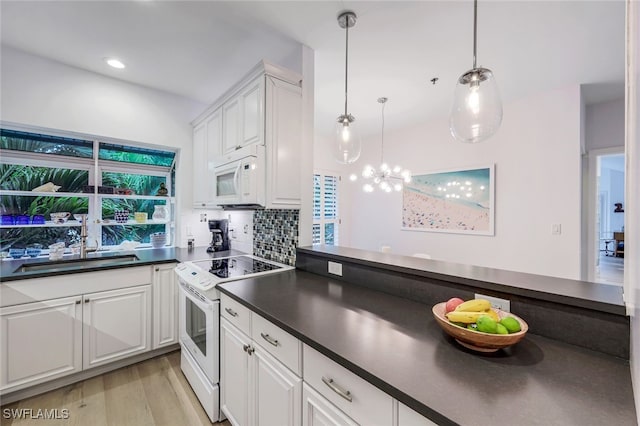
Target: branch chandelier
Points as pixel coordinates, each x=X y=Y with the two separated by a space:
x=384 y=177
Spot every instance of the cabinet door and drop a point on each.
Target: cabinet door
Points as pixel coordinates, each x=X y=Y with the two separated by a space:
x=408 y=417
x=40 y=341
x=252 y=99
x=283 y=141
x=317 y=411
x=277 y=391
x=214 y=138
x=117 y=324
x=234 y=374
x=165 y=306
x=231 y=122
x=200 y=167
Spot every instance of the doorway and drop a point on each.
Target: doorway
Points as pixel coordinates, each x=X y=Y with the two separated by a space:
x=608 y=192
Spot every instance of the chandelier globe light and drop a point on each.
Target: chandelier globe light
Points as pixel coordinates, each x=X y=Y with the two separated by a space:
x=476 y=113
x=384 y=178
x=348 y=145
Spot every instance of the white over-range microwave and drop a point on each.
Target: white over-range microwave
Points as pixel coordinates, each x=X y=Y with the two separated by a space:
x=239 y=178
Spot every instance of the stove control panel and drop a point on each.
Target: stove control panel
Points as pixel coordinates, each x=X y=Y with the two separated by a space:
x=194 y=277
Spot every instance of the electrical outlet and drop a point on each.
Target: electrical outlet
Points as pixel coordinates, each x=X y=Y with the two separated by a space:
x=246 y=228
x=496 y=303
x=556 y=229
x=335 y=268
x=203 y=217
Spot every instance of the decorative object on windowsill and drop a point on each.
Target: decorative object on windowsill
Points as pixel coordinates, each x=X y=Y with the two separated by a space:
x=47 y=187
x=347 y=138
x=124 y=191
x=59 y=217
x=162 y=191
x=160 y=213
x=476 y=113
x=619 y=208
x=383 y=177
x=121 y=216
x=158 y=239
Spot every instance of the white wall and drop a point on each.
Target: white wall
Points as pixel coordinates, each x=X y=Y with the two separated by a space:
x=604 y=125
x=538 y=183
x=44 y=93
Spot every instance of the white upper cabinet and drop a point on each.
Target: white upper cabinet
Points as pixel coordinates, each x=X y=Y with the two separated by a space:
x=264 y=108
x=207 y=144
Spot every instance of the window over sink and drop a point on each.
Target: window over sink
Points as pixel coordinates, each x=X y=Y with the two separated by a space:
x=42 y=174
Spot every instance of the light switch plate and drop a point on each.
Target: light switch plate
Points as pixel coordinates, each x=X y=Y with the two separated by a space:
x=335 y=268
x=496 y=302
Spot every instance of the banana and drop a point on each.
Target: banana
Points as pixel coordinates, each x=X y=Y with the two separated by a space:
x=465 y=317
x=475 y=305
x=493 y=314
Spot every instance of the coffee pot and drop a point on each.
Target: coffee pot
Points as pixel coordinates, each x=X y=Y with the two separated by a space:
x=219 y=235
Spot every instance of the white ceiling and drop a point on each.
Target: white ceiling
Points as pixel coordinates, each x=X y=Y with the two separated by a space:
x=197 y=49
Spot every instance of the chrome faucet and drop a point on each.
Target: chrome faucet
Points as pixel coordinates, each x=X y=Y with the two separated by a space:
x=83 y=236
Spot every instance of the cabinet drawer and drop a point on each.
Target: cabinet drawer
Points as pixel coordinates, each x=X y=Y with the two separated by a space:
x=277 y=342
x=358 y=398
x=237 y=314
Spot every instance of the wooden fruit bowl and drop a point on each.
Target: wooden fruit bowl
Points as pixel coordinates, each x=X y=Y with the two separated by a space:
x=476 y=340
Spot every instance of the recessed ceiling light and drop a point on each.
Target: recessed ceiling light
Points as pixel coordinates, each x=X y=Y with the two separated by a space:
x=114 y=63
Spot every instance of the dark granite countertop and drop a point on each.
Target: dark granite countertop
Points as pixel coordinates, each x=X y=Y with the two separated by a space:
x=9 y=267
x=395 y=344
x=584 y=294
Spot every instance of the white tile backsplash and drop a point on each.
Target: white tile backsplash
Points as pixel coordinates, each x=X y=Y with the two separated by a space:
x=240 y=229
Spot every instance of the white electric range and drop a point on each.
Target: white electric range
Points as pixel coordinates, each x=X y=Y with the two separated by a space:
x=200 y=319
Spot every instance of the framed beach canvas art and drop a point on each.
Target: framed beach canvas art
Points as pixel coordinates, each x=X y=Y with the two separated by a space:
x=458 y=201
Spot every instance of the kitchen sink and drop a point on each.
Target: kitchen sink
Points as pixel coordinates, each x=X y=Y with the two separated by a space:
x=65 y=265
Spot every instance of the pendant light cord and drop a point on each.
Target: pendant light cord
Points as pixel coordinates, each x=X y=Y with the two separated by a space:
x=382 y=147
x=475 y=30
x=346 y=64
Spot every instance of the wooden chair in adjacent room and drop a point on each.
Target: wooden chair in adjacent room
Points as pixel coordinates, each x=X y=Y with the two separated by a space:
x=619 y=249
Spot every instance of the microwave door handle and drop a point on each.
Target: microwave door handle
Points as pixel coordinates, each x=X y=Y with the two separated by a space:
x=236 y=174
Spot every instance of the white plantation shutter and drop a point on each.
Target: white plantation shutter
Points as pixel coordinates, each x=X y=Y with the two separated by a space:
x=325 y=208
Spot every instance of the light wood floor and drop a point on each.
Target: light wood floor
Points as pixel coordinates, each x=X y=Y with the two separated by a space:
x=153 y=392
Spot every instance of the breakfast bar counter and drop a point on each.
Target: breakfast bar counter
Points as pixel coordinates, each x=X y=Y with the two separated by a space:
x=395 y=344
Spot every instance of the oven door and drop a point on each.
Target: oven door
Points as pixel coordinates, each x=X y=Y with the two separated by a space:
x=199 y=331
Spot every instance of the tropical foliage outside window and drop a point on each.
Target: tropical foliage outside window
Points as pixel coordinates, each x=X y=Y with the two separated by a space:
x=29 y=160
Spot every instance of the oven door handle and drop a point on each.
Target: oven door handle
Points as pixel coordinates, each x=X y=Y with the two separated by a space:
x=199 y=303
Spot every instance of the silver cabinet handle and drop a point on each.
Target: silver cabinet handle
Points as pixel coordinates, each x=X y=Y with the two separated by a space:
x=337 y=389
x=87 y=300
x=269 y=339
x=250 y=350
x=245 y=348
x=78 y=302
x=231 y=312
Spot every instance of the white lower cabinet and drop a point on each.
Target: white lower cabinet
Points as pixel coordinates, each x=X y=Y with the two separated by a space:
x=234 y=374
x=165 y=306
x=256 y=388
x=318 y=411
x=40 y=341
x=117 y=324
x=408 y=417
x=277 y=391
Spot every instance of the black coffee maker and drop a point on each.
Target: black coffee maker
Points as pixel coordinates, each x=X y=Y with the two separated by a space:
x=219 y=235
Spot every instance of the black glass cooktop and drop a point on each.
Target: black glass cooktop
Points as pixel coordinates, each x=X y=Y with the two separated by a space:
x=238 y=266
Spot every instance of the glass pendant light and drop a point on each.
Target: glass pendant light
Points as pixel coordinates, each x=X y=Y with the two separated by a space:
x=477 y=109
x=348 y=145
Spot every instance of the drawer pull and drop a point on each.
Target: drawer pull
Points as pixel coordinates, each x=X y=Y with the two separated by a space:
x=245 y=348
x=231 y=312
x=270 y=339
x=337 y=389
